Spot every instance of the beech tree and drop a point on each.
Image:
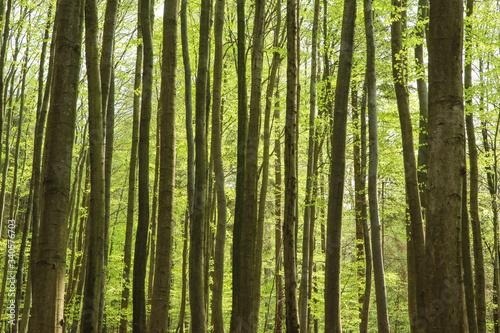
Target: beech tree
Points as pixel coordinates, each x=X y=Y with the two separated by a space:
x=446 y=167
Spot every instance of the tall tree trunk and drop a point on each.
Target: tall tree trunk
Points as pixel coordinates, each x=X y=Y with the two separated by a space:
x=218 y=279
x=410 y=165
x=309 y=201
x=95 y=231
x=141 y=240
x=291 y=215
x=240 y=168
x=190 y=156
x=50 y=266
x=446 y=167
x=25 y=225
x=363 y=325
x=278 y=319
x=467 y=263
x=199 y=217
x=378 y=260
x=249 y=225
x=3 y=52
x=479 y=285
x=154 y=218
x=42 y=107
x=132 y=176
x=423 y=100
x=160 y=304
x=107 y=107
x=337 y=173
x=265 y=169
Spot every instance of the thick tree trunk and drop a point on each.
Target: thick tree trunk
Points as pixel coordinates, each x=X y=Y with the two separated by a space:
x=337 y=172
x=446 y=168
x=410 y=165
x=160 y=303
x=50 y=266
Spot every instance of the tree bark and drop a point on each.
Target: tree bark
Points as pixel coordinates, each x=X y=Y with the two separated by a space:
x=337 y=172
x=410 y=165
x=160 y=303
x=278 y=253
x=479 y=285
x=50 y=266
x=446 y=168
x=220 y=238
x=132 y=182
x=290 y=217
x=378 y=260
x=423 y=100
x=249 y=223
x=190 y=157
x=95 y=232
x=305 y=283
x=467 y=264
x=240 y=171
x=199 y=220
x=141 y=246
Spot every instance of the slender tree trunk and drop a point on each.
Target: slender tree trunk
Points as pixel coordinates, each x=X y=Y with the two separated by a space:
x=363 y=326
x=423 y=99
x=410 y=165
x=265 y=169
x=309 y=201
x=199 y=218
x=446 y=167
x=107 y=107
x=190 y=156
x=479 y=285
x=291 y=214
x=337 y=173
x=218 y=279
x=240 y=171
x=249 y=225
x=25 y=225
x=141 y=246
x=378 y=260
x=42 y=107
x=50 y=266
x=467 y=263
x=278 y=253
x=160 y=304
x=127 y=252
x=154 y=219
x=3 y=52
x=95 y=232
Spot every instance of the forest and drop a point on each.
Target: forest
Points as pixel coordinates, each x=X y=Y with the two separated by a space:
x=249 y=166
